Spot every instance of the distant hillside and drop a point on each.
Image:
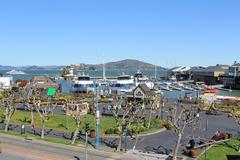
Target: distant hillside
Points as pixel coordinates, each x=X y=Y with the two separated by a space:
x=31 y=67
x=128 y=64
x=40 y=67
x=6 y=67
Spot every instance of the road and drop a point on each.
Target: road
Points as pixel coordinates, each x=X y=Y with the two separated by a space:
x=164 y=142
x=159 y=143
x=21 y=149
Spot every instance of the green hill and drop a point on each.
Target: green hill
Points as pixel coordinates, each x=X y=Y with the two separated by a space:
x=128 y=64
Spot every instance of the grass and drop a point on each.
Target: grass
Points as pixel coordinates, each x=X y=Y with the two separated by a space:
x=46 y=138
x=65 y=123
x=222 y=150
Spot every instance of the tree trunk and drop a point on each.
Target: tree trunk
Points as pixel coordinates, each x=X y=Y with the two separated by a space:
x=119 y=147
x=150 y=117
x=159 y=112
x=7 y=121
x=176 y=148
x=135 y=144
x=32 y=118
x=43 y=127
x=76 y=133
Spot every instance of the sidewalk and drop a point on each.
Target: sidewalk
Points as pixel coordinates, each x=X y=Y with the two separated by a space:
x=106 y=141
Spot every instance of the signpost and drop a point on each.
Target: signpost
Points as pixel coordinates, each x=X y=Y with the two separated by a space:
x=87 y=129
x=51 y=91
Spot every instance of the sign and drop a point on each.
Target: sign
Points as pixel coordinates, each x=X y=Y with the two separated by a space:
x=51 y=92
x=138 y=93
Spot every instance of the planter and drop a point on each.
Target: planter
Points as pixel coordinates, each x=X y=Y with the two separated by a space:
x=230 y=135
x=226 y=136
x=186 y=152
x=194 y=153
x=92 y=133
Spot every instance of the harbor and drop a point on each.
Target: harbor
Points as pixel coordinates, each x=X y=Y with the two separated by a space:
x=119 y=80
x=171 y=89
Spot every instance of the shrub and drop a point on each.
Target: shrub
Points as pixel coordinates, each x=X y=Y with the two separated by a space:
x=166 y=125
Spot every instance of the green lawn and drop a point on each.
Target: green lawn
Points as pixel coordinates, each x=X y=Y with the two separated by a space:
x=221 y=150
x=60 y=122
x=46 y=138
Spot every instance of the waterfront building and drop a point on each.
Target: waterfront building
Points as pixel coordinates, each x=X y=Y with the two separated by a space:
x=181 y=73
x=231 y=79
x=6 y=82
x=210 y=75
x=43 y=82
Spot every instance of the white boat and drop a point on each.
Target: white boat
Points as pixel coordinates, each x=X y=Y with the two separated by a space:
x=83 y=84
x=199 y=88
x=166 y=88
x=139 y=78
x=225 y=89
x=176 y=88
x=13 y=72
x=188 y=88
x=124 y=83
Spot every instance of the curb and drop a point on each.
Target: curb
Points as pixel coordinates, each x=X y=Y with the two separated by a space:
x=63 y=146
x=140 y=135
x=209 y=147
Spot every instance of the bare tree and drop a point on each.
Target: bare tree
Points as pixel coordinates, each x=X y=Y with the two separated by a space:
x=44 y=106
x=139 y=120
x=179 y=117
x=8 y=98
x=76 y=109
x=30 y=102
x=153 y=101
x=124 y=113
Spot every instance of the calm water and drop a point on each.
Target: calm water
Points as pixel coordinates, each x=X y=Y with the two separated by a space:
x=52 y=73
x=66 y=84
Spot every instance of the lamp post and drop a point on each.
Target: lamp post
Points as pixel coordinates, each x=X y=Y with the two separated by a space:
x=97 y=116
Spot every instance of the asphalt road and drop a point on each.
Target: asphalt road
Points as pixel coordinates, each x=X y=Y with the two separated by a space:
x=164 y=142
x=21 y=149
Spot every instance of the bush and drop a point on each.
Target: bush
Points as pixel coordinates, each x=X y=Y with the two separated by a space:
x=156 y=123
x=166 y=125
x=137 y=128
x=112 y=130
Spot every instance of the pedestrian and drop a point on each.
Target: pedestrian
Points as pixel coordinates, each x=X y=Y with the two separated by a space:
x=23 y=129
x=192 y=143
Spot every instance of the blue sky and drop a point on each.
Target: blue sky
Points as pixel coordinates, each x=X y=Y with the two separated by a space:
x=163 y=32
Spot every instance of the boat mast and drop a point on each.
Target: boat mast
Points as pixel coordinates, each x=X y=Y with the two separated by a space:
x=104 y=69
x=155 y=72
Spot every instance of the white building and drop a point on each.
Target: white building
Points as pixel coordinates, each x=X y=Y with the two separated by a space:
x=5 y=82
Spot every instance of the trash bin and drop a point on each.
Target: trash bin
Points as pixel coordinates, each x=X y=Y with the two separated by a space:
x=92 y=133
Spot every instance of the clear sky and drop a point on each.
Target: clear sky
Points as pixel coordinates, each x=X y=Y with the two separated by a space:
x=163 y=32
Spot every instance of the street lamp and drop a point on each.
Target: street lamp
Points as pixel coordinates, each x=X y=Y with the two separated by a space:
x=97 y=116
